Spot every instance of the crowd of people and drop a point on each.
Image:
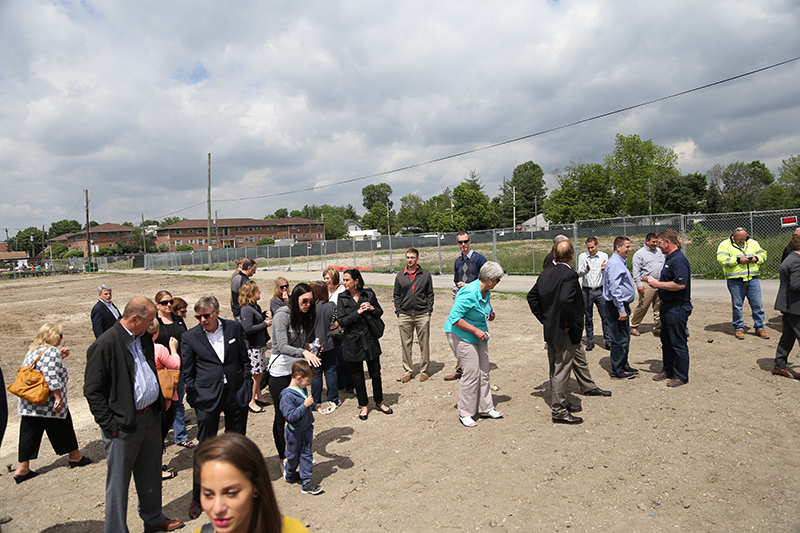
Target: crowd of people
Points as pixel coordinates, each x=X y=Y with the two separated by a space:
x=146 y=361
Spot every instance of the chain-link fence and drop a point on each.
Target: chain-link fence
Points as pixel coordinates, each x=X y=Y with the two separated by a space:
x=520 y=251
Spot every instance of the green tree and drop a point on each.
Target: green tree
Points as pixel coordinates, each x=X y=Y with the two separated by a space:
x=472 y=209
x=414 y=213
x=584 y=192
x=184 y=248
x=59 y=248
x=377 y=194
x=63 y=227
x=28 y=240
x=375 y=218
x=168 y=221
x=279 y=213
x=739 y=185
x=637 y=169
x=528 y=180
x=682 y=194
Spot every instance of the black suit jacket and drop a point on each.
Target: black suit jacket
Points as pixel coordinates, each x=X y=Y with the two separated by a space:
x=203 y=372
x=102 y=318
x=557 y=301
x=108 y=379
x=788 y=300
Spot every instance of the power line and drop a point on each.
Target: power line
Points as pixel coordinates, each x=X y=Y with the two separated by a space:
x=503 y=143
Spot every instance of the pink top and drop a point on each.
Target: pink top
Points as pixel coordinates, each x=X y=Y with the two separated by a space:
x=164 y=359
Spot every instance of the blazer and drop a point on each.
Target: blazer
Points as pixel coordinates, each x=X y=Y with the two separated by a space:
x=557 y=302
x=102 y=318
x=788 y=300
x=204 y=374
x=108 y=379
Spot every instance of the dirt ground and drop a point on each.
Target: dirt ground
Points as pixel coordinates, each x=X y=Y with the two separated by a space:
x=719 y=454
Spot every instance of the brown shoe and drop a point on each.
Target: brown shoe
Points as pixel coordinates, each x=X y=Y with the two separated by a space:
x=406 y=378
x=453 y=377
x=785 y=372
x=675 y=383
x=739 y=334
x=166 y=525
x=635 y=332
x=567 y=419
x=763 y=334
x=195 y=510
x=660 y=377
x=423 y=377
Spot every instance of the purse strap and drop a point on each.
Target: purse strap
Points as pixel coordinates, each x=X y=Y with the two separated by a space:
x=41 y=353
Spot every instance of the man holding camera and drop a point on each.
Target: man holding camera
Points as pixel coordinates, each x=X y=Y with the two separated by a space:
x=740 y=257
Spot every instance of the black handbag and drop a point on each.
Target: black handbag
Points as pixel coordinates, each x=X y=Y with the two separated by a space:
x=337 y=331
x=375 y=325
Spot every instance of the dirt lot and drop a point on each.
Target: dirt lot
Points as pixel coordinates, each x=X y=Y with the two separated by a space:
x=720 y=454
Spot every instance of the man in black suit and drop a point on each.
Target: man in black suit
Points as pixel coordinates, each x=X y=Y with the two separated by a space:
x=122 y=390
x=216 y=370
x=557 y=302
x=104 y=312
x=788 y=250
x=788 y=303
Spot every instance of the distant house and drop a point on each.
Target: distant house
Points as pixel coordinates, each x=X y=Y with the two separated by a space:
x=537 y=223
x=352 y=225
x=102 y=235
x=239 y=232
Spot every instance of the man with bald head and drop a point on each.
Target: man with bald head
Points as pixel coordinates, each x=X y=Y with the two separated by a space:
x=121 y=387
x=549 y=258
x=740 y=257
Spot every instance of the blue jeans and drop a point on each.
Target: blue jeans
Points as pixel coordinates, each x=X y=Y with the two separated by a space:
x=328 y=367
x=752 y=290
x=179 y=424
x=674 y=350
x=590 y=299
x=620 y=333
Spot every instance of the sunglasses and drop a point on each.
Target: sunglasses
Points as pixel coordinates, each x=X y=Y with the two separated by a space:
x=305 y=300
x=166 y=302
x=204 y=315
x=60 y=335
x=463 y=242
x=284 y=286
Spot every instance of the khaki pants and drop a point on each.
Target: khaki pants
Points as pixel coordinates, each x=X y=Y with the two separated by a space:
x=474 y=393
x=422 y=325
x=650 y=297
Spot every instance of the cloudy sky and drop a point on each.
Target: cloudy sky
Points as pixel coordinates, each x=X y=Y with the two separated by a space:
x=126 y=99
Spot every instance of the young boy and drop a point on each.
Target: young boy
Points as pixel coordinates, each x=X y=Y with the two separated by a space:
x=295 y=404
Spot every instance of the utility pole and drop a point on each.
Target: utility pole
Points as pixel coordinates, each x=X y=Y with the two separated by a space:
x=514 y=196
x=208 y=228
x=88 y=234
x=144 y=243
x=389 y=233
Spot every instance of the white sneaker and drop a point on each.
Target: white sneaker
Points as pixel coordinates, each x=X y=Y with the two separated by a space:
x=468 y=421
x=494 y=413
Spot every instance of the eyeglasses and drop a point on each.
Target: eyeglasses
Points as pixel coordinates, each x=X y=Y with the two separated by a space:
x=305 y=300
x=282 y=287
x=166 y=302
x=463 y=242
x=204 y=315
x=60 y=335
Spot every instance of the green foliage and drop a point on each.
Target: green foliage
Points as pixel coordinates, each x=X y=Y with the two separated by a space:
x=414 y=214
x=184 y=248
x=73 y=253
x=584 y=192
x=637 y=169
x=129 y=224
x=58 y=249
x=377 y=194
x=528 y=179
x=296 y=213
x=681 y=194
x=698 y=234
x=739 y=186
x=149 y=222
x=133 y=243
x=168 y=221
x=266 y=242
x=107 y=250
x=21 y=242
x=279 y=213
x=63 y=227
x=472 y=210
x=376 y=218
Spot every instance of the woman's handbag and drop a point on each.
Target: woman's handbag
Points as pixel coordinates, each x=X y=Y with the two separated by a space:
x=168 y=379
x=375 y=325
x=337 y=331
x=30 y=384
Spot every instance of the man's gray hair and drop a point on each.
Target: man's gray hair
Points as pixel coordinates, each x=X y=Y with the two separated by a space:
x=102 y=288
x=207 y=302
x=491 y=270
x=559 y=238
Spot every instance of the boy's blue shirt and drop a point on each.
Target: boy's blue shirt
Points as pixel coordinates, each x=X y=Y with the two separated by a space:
x=298 y=416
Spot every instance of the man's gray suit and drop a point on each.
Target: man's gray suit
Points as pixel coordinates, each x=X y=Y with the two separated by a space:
x=788 y=303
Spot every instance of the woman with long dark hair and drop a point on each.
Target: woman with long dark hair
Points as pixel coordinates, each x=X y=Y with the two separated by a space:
x=292 y=335
x=235 y=488
x=359 y=312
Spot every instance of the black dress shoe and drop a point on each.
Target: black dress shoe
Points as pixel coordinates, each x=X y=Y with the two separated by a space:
x=567 y=419
x=83 y=461
x=624 y=375
x=25 y=477
x=574 y=408
x=597 y=391
x=363 y=417
x=387 y=411
x=632 y=370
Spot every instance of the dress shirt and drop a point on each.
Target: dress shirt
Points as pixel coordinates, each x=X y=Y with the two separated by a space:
x=217 y=341
x=618 y=283
x=593 y=277
x=145 y=385
x=647 y=262
x=112 y=308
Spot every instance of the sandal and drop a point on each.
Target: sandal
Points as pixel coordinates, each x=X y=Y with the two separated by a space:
x=170 y=476
x=186 y=444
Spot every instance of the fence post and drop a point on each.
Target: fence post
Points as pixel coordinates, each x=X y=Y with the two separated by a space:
x=494 y=245
x=439 y=246
x=290 y=256
x=268 y=257
x=354 y=252
x=533 y=252
x=391 y=259
x=751 y=227
x=371 y=255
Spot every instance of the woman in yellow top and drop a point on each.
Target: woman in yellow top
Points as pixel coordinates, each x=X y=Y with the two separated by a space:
x=235 y=489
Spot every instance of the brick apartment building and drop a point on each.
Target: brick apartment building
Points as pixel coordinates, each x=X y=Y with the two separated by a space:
x=102 y=235
x=239 y=232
